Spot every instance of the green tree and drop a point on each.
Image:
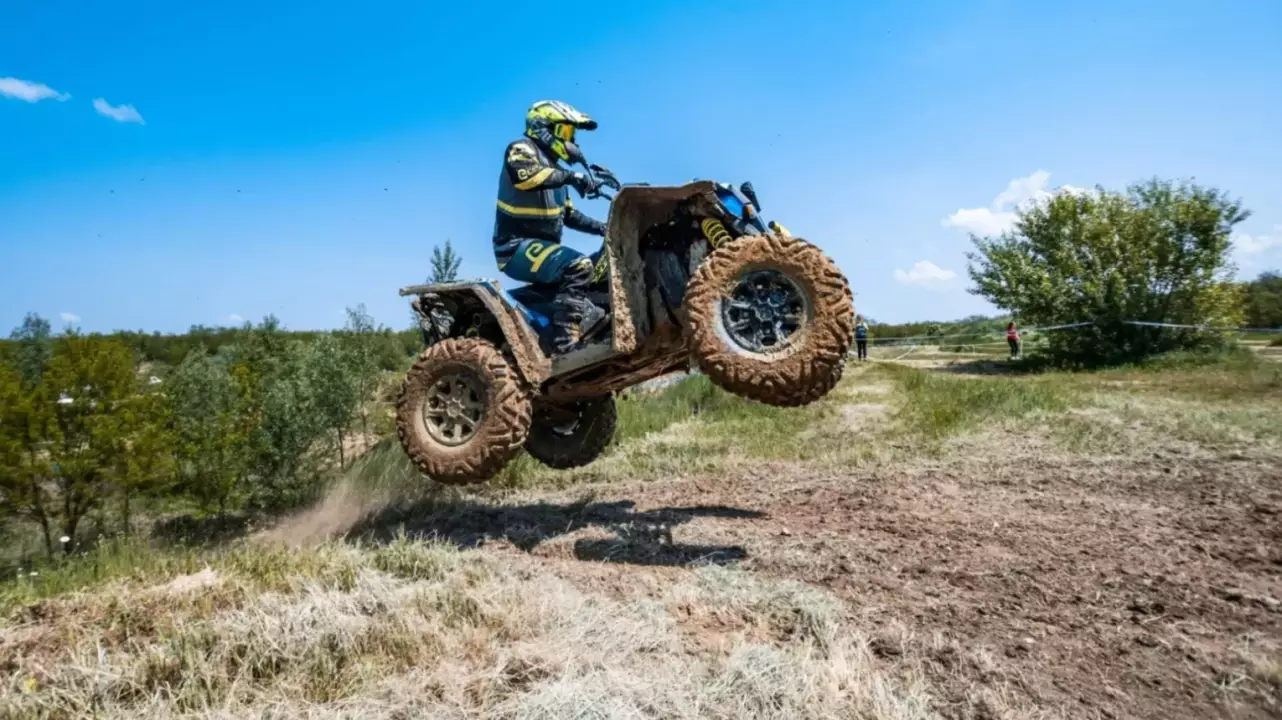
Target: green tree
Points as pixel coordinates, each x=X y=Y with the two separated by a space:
x=87 y=382
x=147 y=464
x=288 y=429
x=445 y=264
x=209 y=433
x=335 y=385
x=1156 y=253
x=33 y=341
x=23 y=461
x=364 y=352
x=1264 y=301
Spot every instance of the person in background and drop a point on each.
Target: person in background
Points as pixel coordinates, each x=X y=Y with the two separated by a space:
x=1012 y=337
x=861 y=337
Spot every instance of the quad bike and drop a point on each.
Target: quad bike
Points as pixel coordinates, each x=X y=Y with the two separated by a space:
x=692 y=272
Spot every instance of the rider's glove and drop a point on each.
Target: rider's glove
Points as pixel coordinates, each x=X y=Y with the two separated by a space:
x=584 y=184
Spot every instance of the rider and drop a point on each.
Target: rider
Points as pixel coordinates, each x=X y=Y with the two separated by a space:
x=534 y=204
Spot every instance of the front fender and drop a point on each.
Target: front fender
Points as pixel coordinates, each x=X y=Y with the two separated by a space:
x=636 y=209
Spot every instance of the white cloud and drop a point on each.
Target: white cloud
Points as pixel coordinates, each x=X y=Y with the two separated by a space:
x=119 y=113
x=31 y=92
x=1000 y=217
x=981 y=221
x=235 y=319
x=924 y=272
x=70 y=318
x=1248 y=244
x=1021 y=190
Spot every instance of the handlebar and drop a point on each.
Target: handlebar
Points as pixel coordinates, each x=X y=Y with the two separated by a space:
x=603 y=178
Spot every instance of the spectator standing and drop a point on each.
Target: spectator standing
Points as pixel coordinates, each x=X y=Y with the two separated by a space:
x=1012 y=338
x=861 y=337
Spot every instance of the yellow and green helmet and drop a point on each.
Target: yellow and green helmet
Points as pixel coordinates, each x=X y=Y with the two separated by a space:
x=553 y=124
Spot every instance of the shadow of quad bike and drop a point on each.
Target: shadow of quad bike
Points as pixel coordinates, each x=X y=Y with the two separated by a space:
x=641 y=537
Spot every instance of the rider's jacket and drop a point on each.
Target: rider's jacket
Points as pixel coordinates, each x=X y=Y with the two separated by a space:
x=534 y=201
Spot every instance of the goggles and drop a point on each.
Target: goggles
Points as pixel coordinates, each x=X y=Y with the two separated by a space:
x=563 y=132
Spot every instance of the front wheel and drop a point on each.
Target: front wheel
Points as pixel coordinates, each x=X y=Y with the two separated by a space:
x=462 y=413
x=771 y=319
x=570 y=436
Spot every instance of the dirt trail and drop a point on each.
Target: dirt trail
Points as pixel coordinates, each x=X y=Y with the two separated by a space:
x=1140 y=588
x=1025 y=581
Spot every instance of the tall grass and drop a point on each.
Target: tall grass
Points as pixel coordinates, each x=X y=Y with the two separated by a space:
x=1233 y=374
x=107 y=559
x=690 y=397
x=937 y=405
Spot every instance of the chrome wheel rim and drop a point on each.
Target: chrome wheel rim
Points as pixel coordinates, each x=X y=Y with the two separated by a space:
x=454 y=408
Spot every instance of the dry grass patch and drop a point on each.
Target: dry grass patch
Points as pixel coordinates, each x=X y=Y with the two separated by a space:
x=414 y=629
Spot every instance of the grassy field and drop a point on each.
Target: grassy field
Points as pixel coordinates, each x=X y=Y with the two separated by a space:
x=955 y=540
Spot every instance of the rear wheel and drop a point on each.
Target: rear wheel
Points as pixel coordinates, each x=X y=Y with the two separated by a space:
x=771 y=319
x=573 y=435
x=462 y=413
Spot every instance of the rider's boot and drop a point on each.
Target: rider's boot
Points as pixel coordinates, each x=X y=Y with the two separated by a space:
x=574 y=313
x=574 y=317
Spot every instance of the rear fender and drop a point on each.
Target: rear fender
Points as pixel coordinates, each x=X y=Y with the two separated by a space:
x=521 y=339
x=634 y=211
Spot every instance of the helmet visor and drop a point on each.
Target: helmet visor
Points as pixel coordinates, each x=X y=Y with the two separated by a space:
x=563 y=132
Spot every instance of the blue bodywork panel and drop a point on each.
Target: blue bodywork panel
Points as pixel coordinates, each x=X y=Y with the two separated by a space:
x=731 y=202
x=537 y=321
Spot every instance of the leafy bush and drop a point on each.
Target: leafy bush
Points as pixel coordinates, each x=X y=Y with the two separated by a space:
x=257 y=425
x=1157 y=253
x=1264 y=302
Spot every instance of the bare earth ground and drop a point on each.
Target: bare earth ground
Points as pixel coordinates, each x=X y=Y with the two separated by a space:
x=1126 y=589
x=1000 y=576
x=1119 y=591
x=1026 y=581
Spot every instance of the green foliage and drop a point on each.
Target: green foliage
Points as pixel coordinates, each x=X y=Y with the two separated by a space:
x=364 y=351
x=1264 y=301
x=339 y=378
x=1157 y=253
x=208 y=408
x=445 y=264
x=393 y=348
x=14 y=441
x=285 y=469
x=33 y=346
x=968 y=331
x=145 y=460
x=255 y=425
x=87 y=387
x=66 y=441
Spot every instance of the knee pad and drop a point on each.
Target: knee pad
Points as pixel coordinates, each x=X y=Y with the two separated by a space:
x=577 y=275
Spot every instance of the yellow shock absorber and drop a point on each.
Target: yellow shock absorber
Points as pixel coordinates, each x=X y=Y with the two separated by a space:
x=715 y=232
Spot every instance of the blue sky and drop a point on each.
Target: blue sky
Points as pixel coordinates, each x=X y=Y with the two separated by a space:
x=163 y=165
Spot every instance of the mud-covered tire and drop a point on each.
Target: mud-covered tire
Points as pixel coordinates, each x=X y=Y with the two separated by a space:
x=812 y=362
x=562 y=449
x=504 y=419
